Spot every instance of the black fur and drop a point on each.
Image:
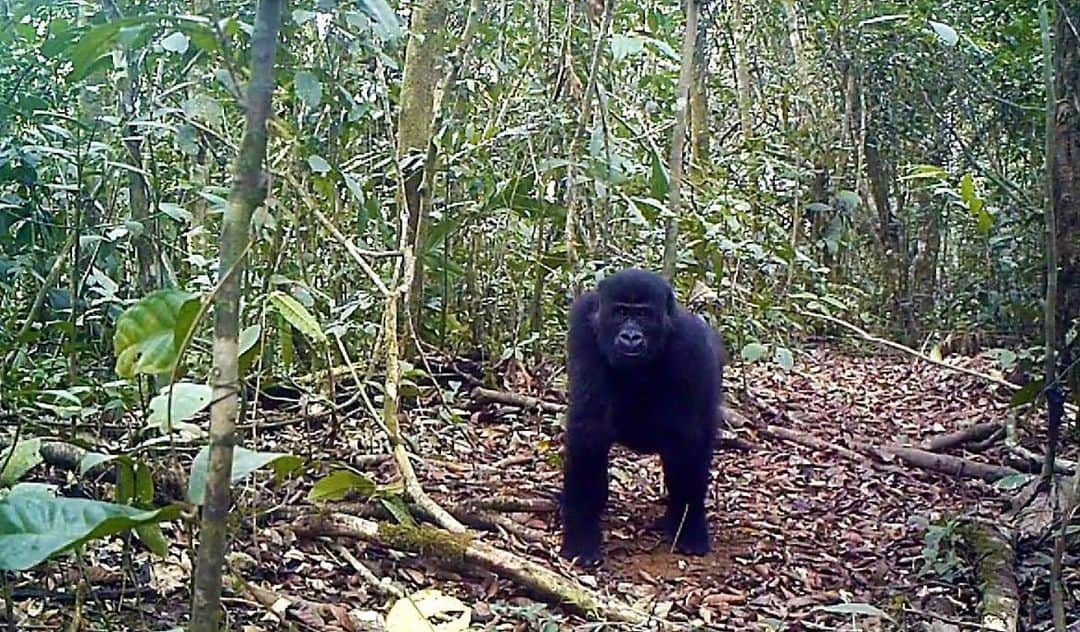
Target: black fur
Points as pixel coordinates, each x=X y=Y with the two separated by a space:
x=656 y=389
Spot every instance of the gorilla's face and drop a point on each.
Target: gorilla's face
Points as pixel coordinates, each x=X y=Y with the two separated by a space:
x=633 y=318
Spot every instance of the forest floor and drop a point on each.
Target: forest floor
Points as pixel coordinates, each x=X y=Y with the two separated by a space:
x=794 y=528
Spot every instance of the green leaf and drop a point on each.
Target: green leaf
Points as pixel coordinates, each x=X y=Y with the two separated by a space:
x=337 y=485
x=945 y=33
x=244 y=462
x=967 y=188
x=25 y=456
x=385 y=22
x=308 y=88
x=144 y=338
x=1013 y=481
x=1026 y=395
x=855 y=608
x=784 y=358
x=658 y=180
x=153 y=538
x=318 y=164
x=623 y=46
x=175 y=211
x=84 y=56
x=177 y=43
x=188 y=399
x=90 y=460
x=297 y=315
x=753 y=351
x=848 y=200
x=396 y=506
x=34 y=527
x=248 y=338
x=300 y=16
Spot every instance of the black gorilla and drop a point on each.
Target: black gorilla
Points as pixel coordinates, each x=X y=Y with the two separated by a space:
x=647 y=374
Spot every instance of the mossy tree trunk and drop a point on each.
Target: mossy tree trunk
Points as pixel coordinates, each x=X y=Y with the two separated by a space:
x=248 y=192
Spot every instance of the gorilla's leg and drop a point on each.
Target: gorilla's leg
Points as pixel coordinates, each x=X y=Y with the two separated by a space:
x=686 y=476
x=585 y=492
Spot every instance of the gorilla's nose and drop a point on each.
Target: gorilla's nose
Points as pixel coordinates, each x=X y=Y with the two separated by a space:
x=631 y=341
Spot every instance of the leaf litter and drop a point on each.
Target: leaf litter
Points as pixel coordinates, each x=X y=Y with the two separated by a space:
x=801 y=538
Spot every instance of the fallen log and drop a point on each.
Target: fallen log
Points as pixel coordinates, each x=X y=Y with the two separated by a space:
x=515 y=399
x=460 y=550
x=994 y=560
x=952 y=465
x=963 y=436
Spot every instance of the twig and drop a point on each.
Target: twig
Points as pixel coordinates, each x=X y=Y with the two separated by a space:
x=384 y=585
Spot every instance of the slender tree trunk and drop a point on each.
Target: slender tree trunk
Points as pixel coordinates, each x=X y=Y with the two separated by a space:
x=743 y=92
x=699 y=106
x=138 y=192
x=1065 y=190
x=424 y=57
x=248 y=191
x=678 y=140
x=1062 y=210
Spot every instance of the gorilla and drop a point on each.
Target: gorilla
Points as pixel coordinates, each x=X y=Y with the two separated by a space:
x=646 y=374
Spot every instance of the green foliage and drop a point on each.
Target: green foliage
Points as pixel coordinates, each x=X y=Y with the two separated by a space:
x=244 y=462
x=35 y=526
x=339 y=484
x=148 y=334
x=19 y=459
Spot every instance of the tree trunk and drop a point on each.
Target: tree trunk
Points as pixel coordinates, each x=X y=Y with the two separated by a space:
x=138 y=194
x=424 y=56
x=743 y=92
x=699 y=107
x=248 y=191
x=678 y=139
x=1065 y=187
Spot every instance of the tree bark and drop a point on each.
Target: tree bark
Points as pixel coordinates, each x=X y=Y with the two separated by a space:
x=248 y=191
x=743 y=93
x=138 y=193
x=423 y=69
x=678 y=140
x=1065 y=187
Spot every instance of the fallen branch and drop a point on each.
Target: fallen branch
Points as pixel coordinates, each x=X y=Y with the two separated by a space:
x=922 y=459
x=459 y=550
x=971 y=434
x=994 y=559
x=952 y=465
x=514 y=399
x=1032 y=459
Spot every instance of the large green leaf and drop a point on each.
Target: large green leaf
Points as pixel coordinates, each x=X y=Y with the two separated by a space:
x=244 y=462
x=385 y=22
x=144 y=341
x=34 y=526
x=337 y=485
x=188 y=399
x=97 y=41
x=24 y=457
x=308 y=88
x=297 y=315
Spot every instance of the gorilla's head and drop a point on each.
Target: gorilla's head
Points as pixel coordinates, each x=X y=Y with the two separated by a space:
x=633 y=317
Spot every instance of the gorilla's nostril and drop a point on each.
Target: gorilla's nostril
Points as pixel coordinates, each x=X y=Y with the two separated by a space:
x=631 y=339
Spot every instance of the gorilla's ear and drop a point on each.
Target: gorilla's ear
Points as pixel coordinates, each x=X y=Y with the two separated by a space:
x=671 y=302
